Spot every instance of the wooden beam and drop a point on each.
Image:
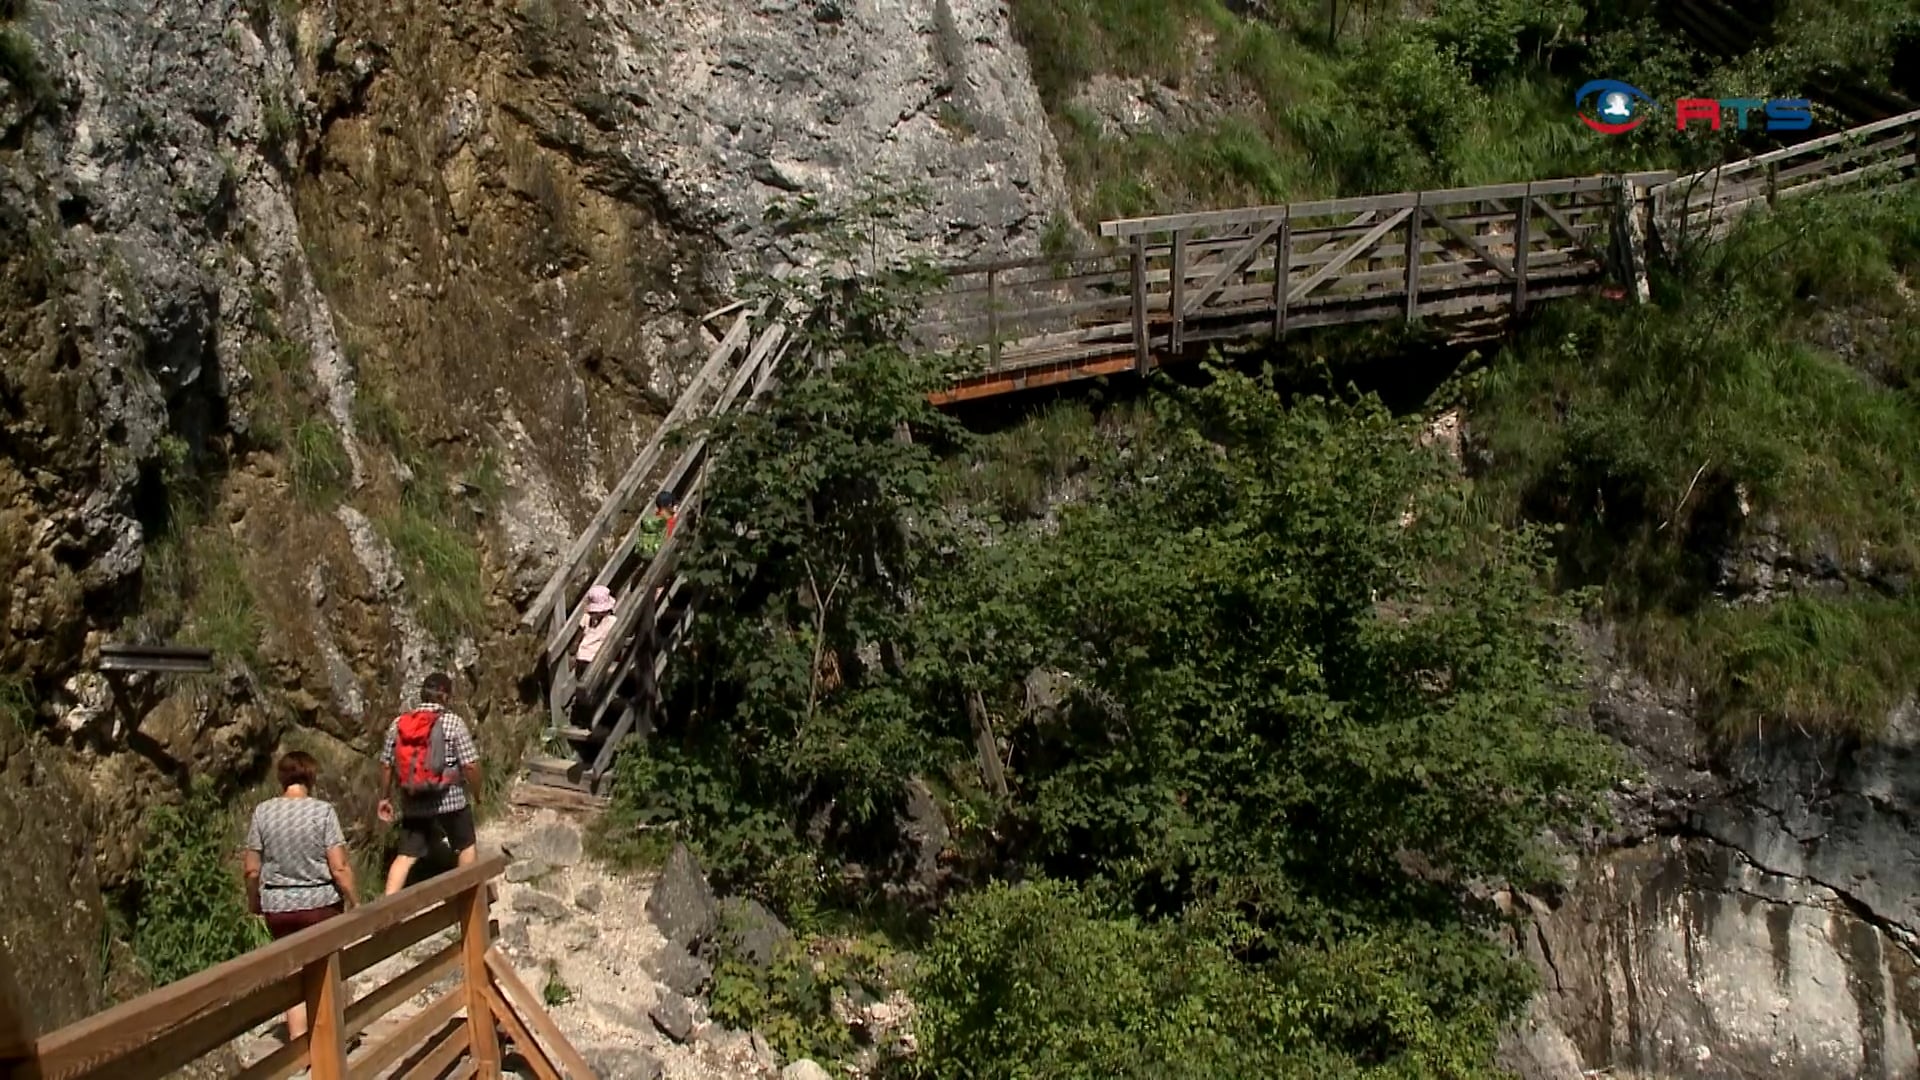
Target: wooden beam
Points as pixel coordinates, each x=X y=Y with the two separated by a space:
x=1473 y=244
x=475 y=939
x=1334 y=266
x=1282 y=258
x=527 y=1007
x=1522 y=239
x=1178 y=293
x=1413 y=260
x=326 y=995
x=1143 y=361
x=1234 y=261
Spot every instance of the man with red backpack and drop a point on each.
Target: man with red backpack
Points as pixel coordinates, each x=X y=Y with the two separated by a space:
x=431 y=759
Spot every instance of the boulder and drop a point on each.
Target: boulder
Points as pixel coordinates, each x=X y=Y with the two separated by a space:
x=542 y=905
x=923 y=833
x=679 y=971
x=589 y=898
x=621 y=1063
x=682 y=904
x=805 y=1069
x=527 y=870
x=752 y=933
x=673 y=1015
x=557 y=844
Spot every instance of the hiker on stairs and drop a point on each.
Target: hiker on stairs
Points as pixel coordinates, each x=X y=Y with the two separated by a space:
x=658 y=526
x=430 y=756
x=595 y=625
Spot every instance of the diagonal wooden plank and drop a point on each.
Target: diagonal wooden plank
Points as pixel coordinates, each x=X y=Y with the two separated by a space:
x=1339 y=262
x=1231 y=266
x=1453 y=229
x=1560 y=222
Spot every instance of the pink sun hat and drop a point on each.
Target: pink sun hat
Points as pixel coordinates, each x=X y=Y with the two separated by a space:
x=599 y=600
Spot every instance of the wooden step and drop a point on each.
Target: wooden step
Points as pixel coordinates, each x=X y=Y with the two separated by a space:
x=557 y=772
x=581 y=735
x=537 y=796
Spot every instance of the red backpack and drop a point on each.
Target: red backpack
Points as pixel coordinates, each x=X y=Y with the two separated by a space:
x=420 y=753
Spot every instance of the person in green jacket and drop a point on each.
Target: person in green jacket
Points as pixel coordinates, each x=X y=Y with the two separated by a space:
x=657 y=526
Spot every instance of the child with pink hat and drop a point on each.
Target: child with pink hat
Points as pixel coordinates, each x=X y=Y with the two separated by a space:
x=595 y=625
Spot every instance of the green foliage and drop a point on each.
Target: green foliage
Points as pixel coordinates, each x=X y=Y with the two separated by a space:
x=554 y=992
x=190 y=904
x=17 y=702
x=1040 y=980
x=1294 y=666
x=318 y=462
x=221 y=613
x=441 y=564
x=1660 y=436
x=20 y=68
x=791 y=1002
x=279 y=127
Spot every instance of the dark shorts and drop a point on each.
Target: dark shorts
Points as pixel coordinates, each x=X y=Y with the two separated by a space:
x=287 y=923
x=418 y=834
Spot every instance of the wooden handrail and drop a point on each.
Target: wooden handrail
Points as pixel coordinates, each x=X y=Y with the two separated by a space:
x=159 y=1032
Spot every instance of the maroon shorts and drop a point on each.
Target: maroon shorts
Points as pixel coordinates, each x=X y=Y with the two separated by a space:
x=287 y=923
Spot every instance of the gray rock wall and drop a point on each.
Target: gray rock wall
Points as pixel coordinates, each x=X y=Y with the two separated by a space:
x=1754 y=916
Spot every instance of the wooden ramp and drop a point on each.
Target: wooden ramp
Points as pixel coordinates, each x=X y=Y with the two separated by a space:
x=476 y=1013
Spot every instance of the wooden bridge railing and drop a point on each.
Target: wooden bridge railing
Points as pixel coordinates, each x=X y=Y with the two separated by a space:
x=475 y=994
x=1181 y=280
x=1705 y=205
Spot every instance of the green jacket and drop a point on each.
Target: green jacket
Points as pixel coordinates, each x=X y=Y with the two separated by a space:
x=653 y=533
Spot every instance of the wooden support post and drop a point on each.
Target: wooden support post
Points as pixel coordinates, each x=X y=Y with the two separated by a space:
x=1142 y=353
x=1179 y=296
x=1773 y=183
x=993 y=317
x=1522 y=239
x=483 y=1041
x=326 y=996
x=1413 y=260
x=1282 y=262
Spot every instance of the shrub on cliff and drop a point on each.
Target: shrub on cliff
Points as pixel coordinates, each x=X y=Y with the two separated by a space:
x=189 y=908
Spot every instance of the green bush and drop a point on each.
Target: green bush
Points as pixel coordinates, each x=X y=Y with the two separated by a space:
x=191 y=908
x=1041 y=980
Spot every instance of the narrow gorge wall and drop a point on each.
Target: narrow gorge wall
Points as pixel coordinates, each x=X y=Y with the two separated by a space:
x=323 y=325
x=1755 y=914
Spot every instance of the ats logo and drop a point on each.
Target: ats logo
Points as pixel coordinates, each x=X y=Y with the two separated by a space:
x=1611 y=107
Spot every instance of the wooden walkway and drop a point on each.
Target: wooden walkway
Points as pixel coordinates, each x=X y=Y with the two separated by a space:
x=1164 y=290
x=476 y=1010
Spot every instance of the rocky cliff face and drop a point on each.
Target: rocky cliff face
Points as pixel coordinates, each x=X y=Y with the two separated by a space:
x=1755 y=914
x=323 y=324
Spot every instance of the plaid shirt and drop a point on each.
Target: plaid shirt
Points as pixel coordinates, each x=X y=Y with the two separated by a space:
x=460 y=752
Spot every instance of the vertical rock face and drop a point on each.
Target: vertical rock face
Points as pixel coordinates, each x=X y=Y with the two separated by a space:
x=1756 y=915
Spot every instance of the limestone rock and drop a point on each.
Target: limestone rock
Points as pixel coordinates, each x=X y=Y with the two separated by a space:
x=541 y=905
x=673 y=1015
x=624 y=1064
x=588 y=899
x=682 y=904
x=527 y=870
x=805 y=1069
x=557 y=844
x=678 y=970
x=751 y=932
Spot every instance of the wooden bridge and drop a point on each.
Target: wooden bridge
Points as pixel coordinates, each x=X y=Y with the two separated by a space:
x=1164 y=290
x=435 y=1001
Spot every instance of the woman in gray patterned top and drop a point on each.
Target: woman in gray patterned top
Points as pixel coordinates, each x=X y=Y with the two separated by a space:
x=296 y=862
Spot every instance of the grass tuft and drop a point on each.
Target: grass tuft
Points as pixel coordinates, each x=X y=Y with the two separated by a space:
x=319 y=463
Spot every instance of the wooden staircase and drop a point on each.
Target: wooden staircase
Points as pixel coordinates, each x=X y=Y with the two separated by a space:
x=591 y=713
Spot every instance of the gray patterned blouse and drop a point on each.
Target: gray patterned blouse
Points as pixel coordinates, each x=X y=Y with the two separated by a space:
x=292 y=837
